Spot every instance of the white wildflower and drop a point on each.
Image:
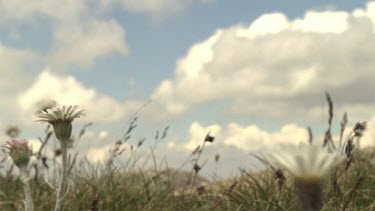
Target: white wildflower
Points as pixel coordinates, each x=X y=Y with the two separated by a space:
x=308 y=164
x=61 y=120
x=306 y=161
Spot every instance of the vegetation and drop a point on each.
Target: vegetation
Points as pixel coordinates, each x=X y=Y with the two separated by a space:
x=117 y=185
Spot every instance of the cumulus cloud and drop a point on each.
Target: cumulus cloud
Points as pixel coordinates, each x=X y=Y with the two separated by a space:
x=279 y=68
x=13 y=78
x=197 y=134
x=13 y=61
x=82 y=44
x=368 y=139
x=66 y=90
x=234 y=143
x=98 y=154
x=249 y=138
x=35 y=144
x=80 y=35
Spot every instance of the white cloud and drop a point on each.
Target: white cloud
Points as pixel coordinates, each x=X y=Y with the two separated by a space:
x=80 y=33
x=279 y=68
x=234 y=143
x=368 y=138
x=275 y=23
x=198 y=133
x=98 y=154
x=13 y=78
x=82 y=44
x=13 y=61
x=249 y=138
x=80 y=36
x=35 y=144
x=322 y=22
x=316 y=22
x=252 y=138
x=66 y=90
x=103 y=134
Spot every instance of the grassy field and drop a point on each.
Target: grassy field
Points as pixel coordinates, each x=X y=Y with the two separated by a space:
x=114 y=186
x=97 y=188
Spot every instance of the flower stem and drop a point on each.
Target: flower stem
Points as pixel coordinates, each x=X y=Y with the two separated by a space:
x=29 y=205
x=63 y=177
x=310 y=195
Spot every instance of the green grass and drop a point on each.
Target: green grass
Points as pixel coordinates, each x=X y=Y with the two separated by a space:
x=150 y=190
x=113 y=186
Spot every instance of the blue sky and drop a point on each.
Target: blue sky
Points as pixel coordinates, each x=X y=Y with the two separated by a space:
x=253 y=72
x=155 y=45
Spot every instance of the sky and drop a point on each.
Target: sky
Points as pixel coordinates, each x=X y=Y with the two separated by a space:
x=254 y=73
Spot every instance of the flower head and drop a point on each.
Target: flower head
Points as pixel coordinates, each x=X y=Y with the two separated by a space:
x=19 y=152
x=306 y=162
x=61 y=120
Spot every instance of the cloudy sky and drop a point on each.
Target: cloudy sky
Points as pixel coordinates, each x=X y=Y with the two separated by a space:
x=254 y=73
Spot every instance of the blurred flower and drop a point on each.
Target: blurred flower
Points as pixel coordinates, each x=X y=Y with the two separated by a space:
x=19 y=152
x=61 y=119
x=308 y=164
x=44 y=105
x=12 y=131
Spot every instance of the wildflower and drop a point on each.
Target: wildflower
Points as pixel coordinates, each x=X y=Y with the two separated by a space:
x=308 y=164
x=61 y=119
x=19 y=152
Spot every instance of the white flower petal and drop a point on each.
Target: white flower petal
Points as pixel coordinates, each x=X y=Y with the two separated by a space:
x=308 y=161
x=65 y=113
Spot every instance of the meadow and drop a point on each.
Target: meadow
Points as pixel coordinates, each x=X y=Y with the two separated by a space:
x=114 y=185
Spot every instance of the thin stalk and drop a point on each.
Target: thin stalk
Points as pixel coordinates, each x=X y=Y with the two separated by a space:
x=29 y=205
x=63 y=178
x=310 y=194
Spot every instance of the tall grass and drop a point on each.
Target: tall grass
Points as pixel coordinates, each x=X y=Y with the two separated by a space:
x=114 y=185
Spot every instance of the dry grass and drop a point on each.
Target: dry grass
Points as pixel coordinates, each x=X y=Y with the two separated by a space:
x=109 y=186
